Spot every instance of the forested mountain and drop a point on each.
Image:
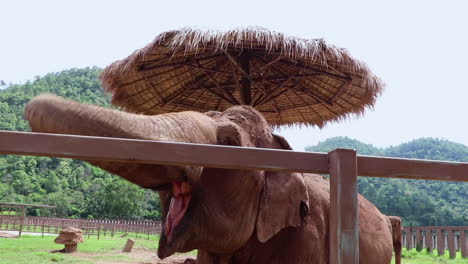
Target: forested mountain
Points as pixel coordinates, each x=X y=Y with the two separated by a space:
x=75 y=187
x=81 y=190
x=419 y=202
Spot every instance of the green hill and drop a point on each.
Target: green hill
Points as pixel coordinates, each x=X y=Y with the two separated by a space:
x=419 y=202
x=345 y=142
x=75 y=187
x=81 y=190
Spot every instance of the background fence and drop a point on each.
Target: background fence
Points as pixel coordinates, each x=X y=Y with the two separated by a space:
x=441 y=238
x=90 y=227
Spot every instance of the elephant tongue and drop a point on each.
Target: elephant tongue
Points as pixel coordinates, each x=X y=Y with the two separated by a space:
x=178 y=206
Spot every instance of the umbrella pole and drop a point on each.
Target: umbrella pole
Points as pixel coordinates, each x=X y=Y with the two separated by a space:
x=246 y=91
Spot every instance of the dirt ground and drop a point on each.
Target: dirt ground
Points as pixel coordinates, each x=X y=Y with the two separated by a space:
x=139 y=256
x=7 y=235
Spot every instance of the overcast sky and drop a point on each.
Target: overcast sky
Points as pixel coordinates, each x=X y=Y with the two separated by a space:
x=419 y=48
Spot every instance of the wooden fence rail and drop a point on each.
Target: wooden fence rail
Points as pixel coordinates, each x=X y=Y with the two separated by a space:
x=441 y=238
x=98 y=227
x=342 y=165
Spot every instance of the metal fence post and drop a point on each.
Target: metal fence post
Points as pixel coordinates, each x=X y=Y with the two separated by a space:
x=344 y=229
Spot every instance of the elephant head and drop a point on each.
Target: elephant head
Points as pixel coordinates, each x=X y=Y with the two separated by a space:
x=211 y=209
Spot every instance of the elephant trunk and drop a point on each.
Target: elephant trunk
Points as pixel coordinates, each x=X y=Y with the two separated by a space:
x=52 y=114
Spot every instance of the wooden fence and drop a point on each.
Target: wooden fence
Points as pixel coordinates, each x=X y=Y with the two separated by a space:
x=343 y=166
x=441 y=238
x=453 y=238
x=90 y=227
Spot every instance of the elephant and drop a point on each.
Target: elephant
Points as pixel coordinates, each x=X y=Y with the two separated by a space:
x=397 y=233
x=229 y=215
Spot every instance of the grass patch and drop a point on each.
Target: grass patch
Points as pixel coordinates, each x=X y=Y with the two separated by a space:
x=424 y=257
x=34 y=249
x=11 y=213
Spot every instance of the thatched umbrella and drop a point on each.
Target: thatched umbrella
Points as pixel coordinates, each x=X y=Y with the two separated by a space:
x=290 y=80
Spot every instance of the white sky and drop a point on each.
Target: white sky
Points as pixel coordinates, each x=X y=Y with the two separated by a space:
x=419 y=48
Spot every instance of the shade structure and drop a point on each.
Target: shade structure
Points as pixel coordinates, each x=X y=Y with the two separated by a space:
x=289 y=80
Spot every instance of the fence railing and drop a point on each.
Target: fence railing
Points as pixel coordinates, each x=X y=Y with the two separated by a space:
x=90 y=227
x=342 y=165
x=441 y=238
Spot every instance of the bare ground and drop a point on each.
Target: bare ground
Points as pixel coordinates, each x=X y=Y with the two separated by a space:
x=7 y=235
x=140 y=256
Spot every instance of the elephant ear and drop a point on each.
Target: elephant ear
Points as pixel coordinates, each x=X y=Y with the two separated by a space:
x=281 y=142
x=284 y=201
x=230 y=134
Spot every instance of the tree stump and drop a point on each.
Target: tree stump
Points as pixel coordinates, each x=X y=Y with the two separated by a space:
x=70 y=248
x=70 y=237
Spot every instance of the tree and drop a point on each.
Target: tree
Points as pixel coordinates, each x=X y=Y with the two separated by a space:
x=120 y=199
x=419 y=202
x=82 y=190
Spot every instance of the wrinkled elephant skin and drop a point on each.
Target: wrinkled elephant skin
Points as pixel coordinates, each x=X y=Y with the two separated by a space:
x=230 y=216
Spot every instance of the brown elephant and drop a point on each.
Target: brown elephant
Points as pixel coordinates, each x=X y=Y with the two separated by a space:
x=230 y=216
x=397 y=233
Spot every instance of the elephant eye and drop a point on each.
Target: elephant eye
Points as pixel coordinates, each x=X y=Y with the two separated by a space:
x=161 y=187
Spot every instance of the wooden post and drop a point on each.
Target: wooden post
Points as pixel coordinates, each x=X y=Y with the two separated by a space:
x=429 y=242
x=440 y=242
x=344 y=215
x=451 y=243
x=463 y=244
x=403 y=239
x=418 y=238
x=23 y=216
x=407 y=242
x=410 y=239
x=245 y=91
x=129 y=245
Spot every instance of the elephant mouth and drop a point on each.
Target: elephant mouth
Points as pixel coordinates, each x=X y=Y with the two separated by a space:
x=181 y=196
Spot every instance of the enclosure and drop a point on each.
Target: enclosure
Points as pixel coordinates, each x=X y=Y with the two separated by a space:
x=343 y=166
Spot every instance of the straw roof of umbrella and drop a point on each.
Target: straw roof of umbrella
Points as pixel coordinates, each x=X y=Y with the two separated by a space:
x=289 y=80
